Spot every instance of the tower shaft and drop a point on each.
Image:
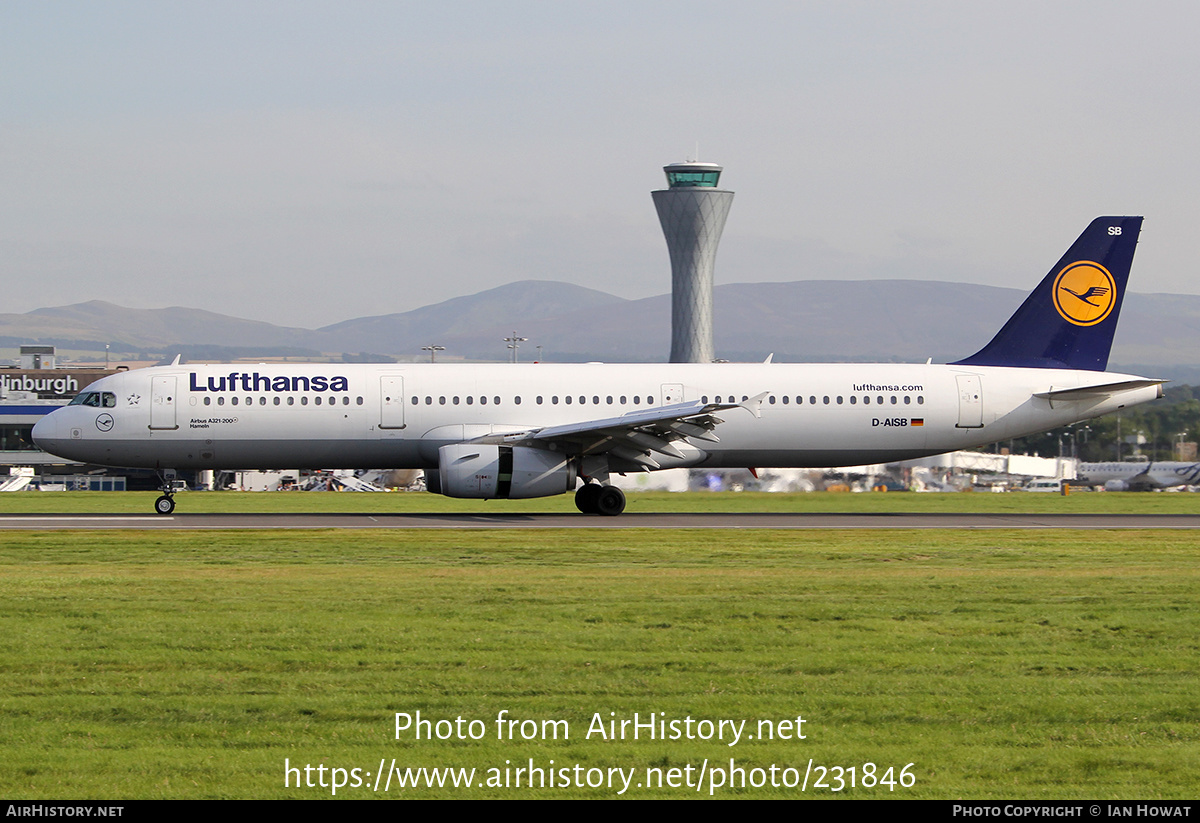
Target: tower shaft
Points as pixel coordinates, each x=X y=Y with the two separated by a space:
x=692 y=213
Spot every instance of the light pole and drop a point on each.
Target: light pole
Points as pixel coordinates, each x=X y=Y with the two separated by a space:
x=433 y=350
x=514 y=343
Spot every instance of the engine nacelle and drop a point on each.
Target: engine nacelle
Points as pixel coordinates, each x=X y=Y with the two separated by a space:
x=1116 y=486
x=490 y=471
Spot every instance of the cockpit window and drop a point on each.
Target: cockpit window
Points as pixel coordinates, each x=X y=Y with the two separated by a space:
x=96 y=399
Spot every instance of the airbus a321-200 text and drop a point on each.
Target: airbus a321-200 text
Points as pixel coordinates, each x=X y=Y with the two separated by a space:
x=535 y=430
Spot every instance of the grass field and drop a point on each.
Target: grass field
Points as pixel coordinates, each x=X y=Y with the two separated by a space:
x=1000 y=664
x=285 y=502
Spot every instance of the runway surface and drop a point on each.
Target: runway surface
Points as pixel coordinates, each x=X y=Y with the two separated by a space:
x=75 y=522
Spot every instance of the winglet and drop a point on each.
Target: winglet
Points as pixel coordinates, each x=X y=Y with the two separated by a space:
x=175 y=362
x=754 y=404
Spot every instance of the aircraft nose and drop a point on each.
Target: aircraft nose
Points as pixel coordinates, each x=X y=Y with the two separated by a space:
x=45 y=431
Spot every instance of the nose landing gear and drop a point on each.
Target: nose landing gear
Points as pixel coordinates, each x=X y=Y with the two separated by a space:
x=165 y=504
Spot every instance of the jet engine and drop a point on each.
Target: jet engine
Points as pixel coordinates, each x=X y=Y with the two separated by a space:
x=491 y=471
x=1116 y=486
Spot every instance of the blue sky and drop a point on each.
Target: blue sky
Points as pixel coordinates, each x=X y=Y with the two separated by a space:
x=305 y=163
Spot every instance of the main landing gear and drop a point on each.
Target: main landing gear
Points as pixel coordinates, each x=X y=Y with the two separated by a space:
x=592 y=498
x=165 y=504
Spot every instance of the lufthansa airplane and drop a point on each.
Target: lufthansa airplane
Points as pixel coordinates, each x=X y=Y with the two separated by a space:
x=534 y=430
x=1137 y=477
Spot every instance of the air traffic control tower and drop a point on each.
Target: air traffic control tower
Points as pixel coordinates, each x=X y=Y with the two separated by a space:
x=692 y=211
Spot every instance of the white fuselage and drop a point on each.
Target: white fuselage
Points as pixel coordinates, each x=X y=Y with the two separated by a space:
x=398 y=416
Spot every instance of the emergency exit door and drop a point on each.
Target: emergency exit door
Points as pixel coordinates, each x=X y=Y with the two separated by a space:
x=970 y=401
x=391 y=402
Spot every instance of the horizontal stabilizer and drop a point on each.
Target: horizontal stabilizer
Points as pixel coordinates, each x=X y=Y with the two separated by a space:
x=1099 y=391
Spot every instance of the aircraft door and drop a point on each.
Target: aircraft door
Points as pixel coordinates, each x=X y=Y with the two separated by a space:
x=970 y=401
x=162 y=401
x=391 y=402
x=672 y=393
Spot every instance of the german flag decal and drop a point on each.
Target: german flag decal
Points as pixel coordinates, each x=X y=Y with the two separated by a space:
x=917 y=421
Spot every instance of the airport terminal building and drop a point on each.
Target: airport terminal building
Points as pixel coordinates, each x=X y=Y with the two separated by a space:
x=28 y=392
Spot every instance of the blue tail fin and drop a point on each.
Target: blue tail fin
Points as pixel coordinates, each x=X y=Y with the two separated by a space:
x=1069 y=320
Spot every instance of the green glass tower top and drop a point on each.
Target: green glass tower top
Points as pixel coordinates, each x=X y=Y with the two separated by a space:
x=693 y=175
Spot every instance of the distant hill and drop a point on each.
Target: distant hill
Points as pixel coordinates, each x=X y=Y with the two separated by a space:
x=136 y=329
x=476 y=317
x=808 y=320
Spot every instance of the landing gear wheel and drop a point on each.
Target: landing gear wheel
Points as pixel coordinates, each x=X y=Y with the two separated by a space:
x=611 y=501
x=164 y=504
x=587 y=496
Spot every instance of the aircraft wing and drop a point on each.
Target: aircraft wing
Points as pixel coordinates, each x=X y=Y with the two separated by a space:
x=634 y=436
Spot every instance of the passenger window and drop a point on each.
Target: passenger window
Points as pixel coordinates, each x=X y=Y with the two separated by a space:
x=826 y=400
x=496 y=401
x=920 y=400
x=291 y=401
x=483 y=400
x=208 y=401
x=839 y=400
x=360 y=401
x=539 y=400
x=442 y=400
x=470 y=400
x=220 y=401
x=567 y=399
x=304 y=400
x=454 y=400
x=275 y=400
x=317 y=399
x=854 y=399
x=517 y=400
